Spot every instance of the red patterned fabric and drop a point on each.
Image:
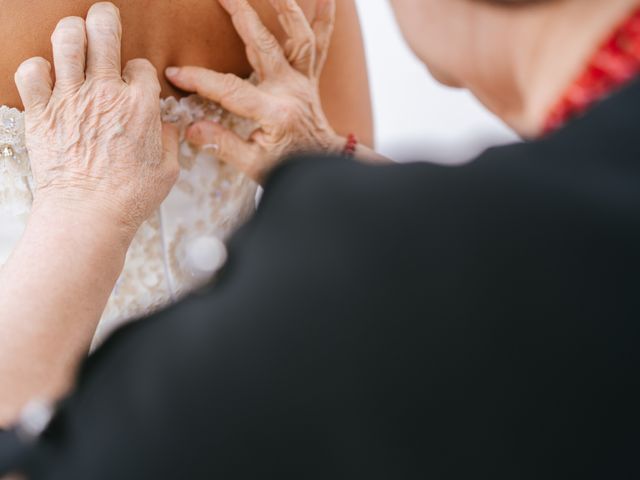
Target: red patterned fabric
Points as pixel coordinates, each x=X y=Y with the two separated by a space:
x=615 y=64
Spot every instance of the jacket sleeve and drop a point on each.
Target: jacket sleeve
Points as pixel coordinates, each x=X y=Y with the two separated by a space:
x=216 y=386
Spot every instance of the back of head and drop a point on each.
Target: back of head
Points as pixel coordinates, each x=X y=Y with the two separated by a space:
x=516 y=56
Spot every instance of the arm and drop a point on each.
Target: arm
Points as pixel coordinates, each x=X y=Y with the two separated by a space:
x=93 y=192
x=53 y=290
x=344 y=84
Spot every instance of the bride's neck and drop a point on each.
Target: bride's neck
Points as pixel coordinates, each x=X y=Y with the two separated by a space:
x=548 y=47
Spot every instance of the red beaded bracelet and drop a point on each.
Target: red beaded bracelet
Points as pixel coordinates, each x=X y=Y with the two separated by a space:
x=351 y=146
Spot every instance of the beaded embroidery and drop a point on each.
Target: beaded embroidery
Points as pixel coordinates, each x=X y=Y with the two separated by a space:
x=12 y=147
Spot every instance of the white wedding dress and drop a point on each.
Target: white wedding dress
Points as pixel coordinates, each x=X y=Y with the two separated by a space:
x=180 y=246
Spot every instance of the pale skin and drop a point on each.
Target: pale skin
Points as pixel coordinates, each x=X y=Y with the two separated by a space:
x=92 y=193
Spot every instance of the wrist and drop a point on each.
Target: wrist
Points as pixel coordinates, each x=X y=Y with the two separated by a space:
x=350 y=147
x=81 y=223
x=335 y=144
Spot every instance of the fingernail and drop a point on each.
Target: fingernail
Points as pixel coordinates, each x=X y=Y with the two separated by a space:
x=214 y=147
x=172 y=71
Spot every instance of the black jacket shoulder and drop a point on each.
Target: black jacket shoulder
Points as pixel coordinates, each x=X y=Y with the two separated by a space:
x=412 y=321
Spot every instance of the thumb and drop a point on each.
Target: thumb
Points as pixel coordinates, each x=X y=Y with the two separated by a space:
x=170 y=142
x=170 y=150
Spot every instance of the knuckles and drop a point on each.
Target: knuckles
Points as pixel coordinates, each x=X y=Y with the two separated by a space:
x=142 y=64
x=69 y=30
x=144 y=74
x=286 y=113
x=230 y=85
x=266 y=42
x=99 y=134
x=104 y=28
x=101 y=94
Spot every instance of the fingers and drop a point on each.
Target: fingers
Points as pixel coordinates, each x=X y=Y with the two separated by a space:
x=92 y=46
x=231 y=92
x=171 y=145
x=323 y=30
x=69 y=42
x=228 y=146
x=263 y=50
x=104 y=33
x=34 y=82
x=300 y=49
x=141 y=73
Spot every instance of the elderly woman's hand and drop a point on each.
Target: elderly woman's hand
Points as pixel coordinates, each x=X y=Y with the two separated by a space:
x=95 y=142
x=95 y=137
x=286 y=102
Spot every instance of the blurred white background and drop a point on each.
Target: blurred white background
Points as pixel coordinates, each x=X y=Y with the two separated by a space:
x=413 y=113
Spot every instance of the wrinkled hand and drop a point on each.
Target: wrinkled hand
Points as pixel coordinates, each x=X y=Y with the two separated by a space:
x=95 y=137
x=285 y=103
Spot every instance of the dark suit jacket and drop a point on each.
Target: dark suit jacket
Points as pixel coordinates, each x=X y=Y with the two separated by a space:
x=394 y=322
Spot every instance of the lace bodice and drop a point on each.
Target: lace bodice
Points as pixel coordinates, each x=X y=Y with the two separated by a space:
x=180 y=246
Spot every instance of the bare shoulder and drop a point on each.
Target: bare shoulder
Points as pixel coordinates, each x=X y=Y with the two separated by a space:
x=169 y=32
